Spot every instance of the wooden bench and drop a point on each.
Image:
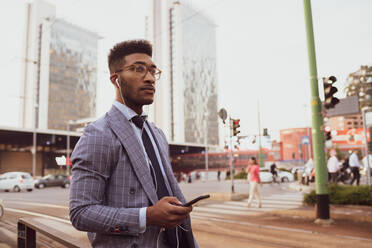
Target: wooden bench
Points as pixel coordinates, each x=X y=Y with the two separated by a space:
x=60 y=231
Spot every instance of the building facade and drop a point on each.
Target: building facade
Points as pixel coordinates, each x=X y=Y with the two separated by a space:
x=345 y=115
x=296 y=143
x=185 y=49
x=72 y=74
x=60 y=77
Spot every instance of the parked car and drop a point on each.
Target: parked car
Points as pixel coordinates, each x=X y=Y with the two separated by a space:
x=16 y=181
x=51 y=180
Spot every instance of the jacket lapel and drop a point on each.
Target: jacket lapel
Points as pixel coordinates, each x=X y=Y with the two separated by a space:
x=162 y=146
x=125 y=133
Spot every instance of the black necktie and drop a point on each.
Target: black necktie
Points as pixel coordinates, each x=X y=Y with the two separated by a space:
x=161 y=189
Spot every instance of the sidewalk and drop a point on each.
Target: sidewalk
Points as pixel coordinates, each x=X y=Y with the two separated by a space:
x=355 y=213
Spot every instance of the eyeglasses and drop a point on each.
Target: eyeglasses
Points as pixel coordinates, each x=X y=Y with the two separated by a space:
x=142 y=70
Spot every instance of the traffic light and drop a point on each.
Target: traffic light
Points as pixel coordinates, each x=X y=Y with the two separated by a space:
x=329 y=100
x=235 y=127
x=328 y=135
x=265 y=133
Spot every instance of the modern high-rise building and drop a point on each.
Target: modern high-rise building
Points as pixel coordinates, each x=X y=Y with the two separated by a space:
x=60 y=70
x=185 y=49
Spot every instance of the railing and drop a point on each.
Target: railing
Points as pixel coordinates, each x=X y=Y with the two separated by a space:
x=59 y=231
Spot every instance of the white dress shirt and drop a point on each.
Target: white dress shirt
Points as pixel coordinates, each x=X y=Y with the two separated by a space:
x=333 y=164
x=353 y=160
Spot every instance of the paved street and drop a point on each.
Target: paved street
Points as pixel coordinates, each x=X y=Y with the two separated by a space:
x=216 y=224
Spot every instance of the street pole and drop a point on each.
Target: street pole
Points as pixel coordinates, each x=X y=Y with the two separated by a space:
x=321 y=173
x=307 y=132
x=231 y=158
x=309 y=144
x=364 y=110
x=68 y=148
x=259 y=134
x=206 y=144
x=34 y=148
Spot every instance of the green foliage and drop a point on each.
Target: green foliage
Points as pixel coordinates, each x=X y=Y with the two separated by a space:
x=344 y=195
x=240 y=175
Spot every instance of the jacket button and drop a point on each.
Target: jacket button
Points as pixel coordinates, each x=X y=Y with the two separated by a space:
x=132 y=191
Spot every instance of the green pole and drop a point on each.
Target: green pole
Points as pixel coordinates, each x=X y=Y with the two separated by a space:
x=321 y=173
x=259 y=134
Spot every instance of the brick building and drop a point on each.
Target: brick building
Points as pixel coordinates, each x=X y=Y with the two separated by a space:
x=345 y=115
x=296 y=143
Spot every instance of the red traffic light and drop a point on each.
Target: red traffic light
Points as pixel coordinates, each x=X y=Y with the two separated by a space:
x=236 y=122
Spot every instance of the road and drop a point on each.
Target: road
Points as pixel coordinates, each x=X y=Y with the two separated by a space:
x=216 y=224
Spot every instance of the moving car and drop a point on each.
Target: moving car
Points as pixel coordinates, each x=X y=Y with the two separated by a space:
x=51 y=180
x=265 y=176
x=285 y=176
x=16 y=181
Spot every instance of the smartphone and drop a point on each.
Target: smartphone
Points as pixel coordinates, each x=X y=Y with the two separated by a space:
x=192 y=202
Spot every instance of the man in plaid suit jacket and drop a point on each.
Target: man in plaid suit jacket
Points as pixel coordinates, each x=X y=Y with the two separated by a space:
x=114 y=193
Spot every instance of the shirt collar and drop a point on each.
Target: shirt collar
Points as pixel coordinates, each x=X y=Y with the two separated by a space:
x=126 y=111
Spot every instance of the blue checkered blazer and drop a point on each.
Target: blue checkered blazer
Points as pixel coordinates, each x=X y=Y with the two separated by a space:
x=111 y=182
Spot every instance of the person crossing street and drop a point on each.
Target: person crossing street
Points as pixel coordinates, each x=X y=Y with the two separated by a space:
x=254 y=179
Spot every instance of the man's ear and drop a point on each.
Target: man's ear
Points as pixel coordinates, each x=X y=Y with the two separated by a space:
x=113 y=78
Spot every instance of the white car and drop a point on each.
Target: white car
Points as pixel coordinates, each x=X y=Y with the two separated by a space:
x=265 y=176
x=285 y=176
x=16 y=181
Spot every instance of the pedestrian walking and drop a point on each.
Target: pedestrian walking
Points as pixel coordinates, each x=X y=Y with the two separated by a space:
x=219 y=175
x=354 y=166
x=123 y=192
x=254 y=179
x=333 y=166
x=274 y=173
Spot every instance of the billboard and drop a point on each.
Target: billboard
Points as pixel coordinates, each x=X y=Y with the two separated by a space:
x=353 y=136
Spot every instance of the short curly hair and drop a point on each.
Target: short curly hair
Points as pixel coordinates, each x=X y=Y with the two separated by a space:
x=120 y=50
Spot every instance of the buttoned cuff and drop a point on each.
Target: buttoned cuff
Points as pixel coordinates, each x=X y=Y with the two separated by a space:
x=142 y=220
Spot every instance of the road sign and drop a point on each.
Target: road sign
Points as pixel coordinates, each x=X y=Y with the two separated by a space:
x=61 y=161
x=305 y=140
x=222 y=114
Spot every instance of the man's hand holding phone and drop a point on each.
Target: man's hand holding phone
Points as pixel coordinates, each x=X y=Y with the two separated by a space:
x=169 y=211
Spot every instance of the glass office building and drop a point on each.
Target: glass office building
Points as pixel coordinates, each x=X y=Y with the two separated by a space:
x=72 y=74
x=199 y=76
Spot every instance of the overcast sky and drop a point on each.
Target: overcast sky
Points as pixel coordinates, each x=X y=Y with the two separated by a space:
x=261 y=51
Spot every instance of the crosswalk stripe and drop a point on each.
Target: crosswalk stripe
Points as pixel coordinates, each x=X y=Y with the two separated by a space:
x=269 y=203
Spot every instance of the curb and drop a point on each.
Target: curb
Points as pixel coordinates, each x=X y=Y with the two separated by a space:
x=310 y=214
